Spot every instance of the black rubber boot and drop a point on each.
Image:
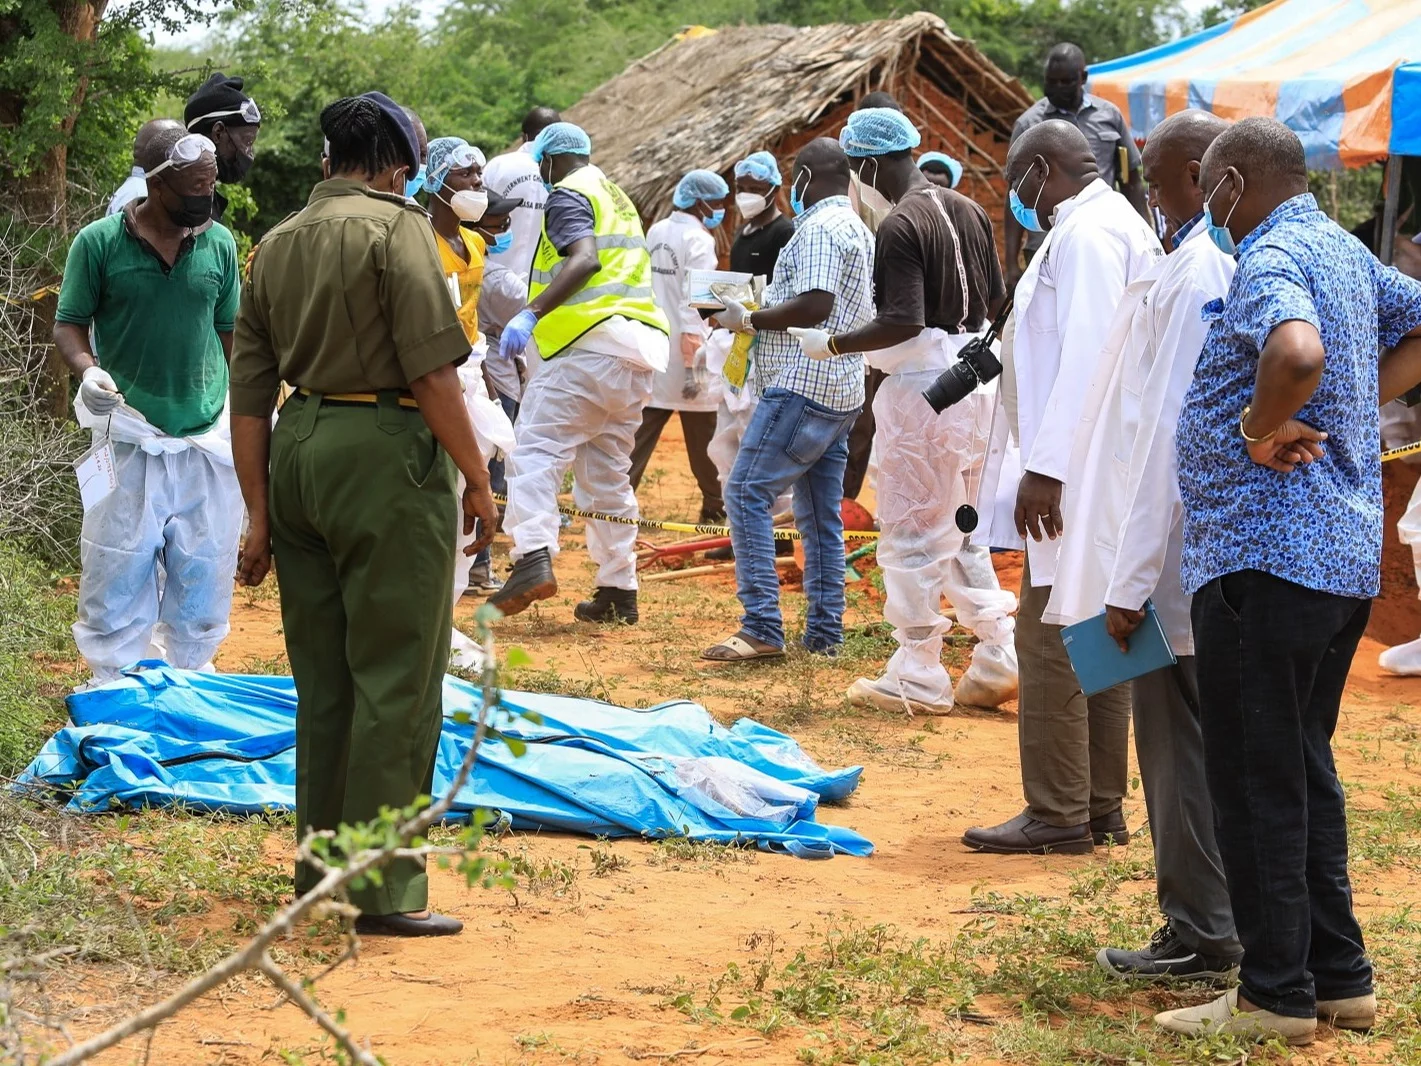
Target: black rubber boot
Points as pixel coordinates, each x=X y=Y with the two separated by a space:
x=531 y=580
x=608 y=605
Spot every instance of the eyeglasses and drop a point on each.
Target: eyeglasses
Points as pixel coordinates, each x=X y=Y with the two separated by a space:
x=251 y=114
x=186 y=151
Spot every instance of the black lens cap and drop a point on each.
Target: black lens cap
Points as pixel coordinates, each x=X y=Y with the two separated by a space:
x=967 y=518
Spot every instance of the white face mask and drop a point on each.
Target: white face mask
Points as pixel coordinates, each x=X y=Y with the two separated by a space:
x=872 y=199
x=469 y=204
x=750 y=205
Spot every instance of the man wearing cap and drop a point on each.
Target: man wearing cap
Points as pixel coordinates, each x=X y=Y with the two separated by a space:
x=596 y=341
x=680 y=243
x=145 y=320
x=514 y=174
x=940 y=169
x=231 y=120
x=937 y=282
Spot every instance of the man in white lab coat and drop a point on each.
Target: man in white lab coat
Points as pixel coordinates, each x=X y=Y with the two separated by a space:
x=514 y=174
x=680 y=243
x=1073 y=748
x=1126 y=523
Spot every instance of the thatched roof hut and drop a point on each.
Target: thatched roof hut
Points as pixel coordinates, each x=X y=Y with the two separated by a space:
x=710 y=97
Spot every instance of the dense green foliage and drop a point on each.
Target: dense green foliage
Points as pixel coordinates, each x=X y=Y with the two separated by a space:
x=478 y=67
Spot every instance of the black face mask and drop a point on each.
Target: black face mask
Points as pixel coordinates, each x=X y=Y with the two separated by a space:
x=234 y=169
x=195 y=210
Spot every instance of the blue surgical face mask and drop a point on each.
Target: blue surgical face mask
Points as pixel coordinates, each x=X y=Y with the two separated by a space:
x=500 y=244
x=415 y=183
x=1025 y=216
x=796 y=198
x=1219 y=234
x=715 y=218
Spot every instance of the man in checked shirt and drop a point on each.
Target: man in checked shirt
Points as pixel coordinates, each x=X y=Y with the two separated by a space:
x=798 y=436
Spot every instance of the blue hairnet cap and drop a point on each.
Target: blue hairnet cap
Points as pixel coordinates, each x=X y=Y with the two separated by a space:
x=446 y=154
x=561 y=138
x=699 y=185
x=878 y=131
x=954 y=168
x=761 y=166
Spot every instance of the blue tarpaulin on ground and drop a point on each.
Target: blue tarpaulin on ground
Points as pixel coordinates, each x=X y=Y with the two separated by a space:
x=226 y=742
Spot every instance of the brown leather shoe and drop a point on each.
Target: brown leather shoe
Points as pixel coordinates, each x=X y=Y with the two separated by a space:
x=1025 y=835
x=1110 y=829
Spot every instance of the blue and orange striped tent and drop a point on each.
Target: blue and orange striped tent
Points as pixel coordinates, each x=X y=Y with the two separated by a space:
x=1345 y=75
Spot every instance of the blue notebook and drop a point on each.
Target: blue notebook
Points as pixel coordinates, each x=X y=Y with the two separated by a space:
x=1100 y=664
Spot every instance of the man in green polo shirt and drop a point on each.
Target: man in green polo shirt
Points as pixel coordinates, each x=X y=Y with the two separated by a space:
x=145 y=322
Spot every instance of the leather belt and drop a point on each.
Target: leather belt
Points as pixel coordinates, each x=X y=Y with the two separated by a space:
x=368 y=398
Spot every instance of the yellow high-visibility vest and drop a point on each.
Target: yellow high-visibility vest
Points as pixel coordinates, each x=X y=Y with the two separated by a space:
x=622 y=286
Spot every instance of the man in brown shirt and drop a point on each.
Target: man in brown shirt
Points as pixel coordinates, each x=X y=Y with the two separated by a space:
x=936 y=282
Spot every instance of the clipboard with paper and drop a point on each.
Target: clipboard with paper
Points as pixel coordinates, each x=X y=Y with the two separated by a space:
x=737 y=363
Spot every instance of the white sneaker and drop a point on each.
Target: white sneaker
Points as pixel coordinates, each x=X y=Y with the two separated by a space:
x=990 y=680
x=1355 y=1012
x=1223 y=1016
x=880 y=696
x=1404 y=659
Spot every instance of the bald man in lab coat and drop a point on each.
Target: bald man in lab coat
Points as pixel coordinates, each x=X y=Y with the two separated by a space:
x=1123 y=510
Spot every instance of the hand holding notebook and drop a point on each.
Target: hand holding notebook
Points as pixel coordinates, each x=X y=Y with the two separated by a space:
x=1098 y=661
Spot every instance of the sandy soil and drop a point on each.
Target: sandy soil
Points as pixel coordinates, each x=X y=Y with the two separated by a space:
x=583 y=975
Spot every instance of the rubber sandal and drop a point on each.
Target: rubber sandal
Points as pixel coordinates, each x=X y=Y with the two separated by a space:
x=742 y=651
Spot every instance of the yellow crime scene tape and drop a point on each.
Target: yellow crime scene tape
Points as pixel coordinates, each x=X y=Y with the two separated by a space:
x=689 y=527
x=1414 y=448
x=34 y=297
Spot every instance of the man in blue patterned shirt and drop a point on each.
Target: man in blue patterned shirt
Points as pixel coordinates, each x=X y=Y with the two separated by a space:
x=799 y=433
x=1278 y=446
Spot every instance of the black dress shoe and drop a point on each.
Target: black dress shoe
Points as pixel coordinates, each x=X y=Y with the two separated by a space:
x=1025 y=835
x=1110 y=829
x=608 y=605
x=531 y=580
x=404 y=925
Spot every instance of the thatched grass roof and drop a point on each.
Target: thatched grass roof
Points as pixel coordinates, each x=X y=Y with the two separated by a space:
x=709 y=98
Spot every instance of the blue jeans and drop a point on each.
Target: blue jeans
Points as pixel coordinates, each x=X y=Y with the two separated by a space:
x=1272 y=658
x=498 y=483
x=791 y=441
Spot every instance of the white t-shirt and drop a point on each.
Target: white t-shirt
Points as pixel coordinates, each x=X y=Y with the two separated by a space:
x=515 y=174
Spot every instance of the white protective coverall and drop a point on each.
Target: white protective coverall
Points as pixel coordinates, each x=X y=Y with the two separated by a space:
x=581 y=410
x=1406 y=658
x=177 y=506
x=1121 y=501
x=515 y=174
x=494 y=433
x=680 y=243
x=732 y=415
x=929 y=466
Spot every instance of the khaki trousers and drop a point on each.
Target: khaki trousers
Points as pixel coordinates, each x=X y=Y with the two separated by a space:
x=1074 y=749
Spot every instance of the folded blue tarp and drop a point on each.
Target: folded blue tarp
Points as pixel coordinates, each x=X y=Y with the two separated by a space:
x=225 y=742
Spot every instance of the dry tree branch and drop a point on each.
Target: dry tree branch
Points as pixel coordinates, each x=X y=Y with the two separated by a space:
x=254 y=955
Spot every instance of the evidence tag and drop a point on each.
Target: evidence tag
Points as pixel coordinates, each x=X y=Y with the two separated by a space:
x=96 y=473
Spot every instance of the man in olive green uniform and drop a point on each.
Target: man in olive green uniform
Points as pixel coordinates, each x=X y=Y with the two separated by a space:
x=347 y=303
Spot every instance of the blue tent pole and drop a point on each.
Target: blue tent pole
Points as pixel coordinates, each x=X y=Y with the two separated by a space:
x=1392 y=184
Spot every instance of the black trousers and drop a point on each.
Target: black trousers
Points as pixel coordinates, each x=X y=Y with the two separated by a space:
x=698 y=428
x=1272 y=659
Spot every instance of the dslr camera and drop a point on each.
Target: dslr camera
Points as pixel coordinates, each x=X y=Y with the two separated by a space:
x=976 y=365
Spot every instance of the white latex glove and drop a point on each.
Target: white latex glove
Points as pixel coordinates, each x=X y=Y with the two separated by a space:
x=98 y=391
x=735 y=317
x=815 y=342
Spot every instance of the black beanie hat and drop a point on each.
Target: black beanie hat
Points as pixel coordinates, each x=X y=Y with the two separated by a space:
x=217 y=93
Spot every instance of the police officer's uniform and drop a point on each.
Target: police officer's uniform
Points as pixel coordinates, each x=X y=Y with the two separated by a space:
x=346 y=302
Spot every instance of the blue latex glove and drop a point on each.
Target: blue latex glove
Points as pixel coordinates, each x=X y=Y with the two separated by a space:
x=516 y=334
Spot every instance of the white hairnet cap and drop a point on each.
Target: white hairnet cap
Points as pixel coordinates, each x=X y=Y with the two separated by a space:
x=878 y=131
x=561 y=138
x=700 y=185
x=761 y=166
x=954 y=168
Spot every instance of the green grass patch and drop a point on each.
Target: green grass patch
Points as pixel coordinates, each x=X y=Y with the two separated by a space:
x=37 y=657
